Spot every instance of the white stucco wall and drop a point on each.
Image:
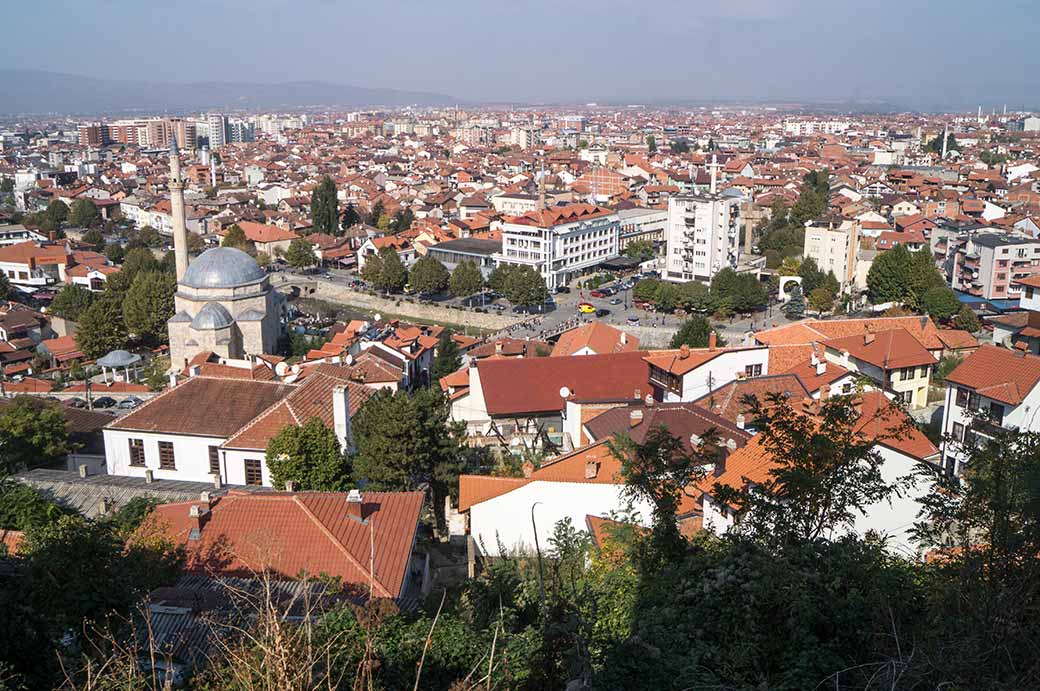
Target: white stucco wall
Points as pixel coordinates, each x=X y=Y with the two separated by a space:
x=718 y=372
x=191 y=455
x=507 y=518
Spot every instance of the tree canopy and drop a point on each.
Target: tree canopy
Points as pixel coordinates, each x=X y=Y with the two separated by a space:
x=447 y=358
x=325 y=207
x=385 y=270
x=84 y=213
x=148 y=305
x=310 y=456
x=101 y=328
x=695 y=332
x=428 y=276
x=300 y=254
x=71 y=301
x=33 y=433
x=466 y=279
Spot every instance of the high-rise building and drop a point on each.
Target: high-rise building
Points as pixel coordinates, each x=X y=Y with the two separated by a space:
x=217 y=129
x=834 y=246
x=93 y=134
x=239 y=131
x=702 y=236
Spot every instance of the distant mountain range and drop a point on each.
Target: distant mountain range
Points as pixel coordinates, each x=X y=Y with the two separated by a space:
x=35 y=91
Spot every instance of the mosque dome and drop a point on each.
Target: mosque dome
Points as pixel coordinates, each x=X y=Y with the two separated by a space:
x=213 y=315
x=222 y=267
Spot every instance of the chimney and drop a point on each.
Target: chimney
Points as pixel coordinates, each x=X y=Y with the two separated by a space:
x=740 y=421
x=52 y=236
x=649 y=401
x=102 y=508
x=591 y=470
x=821 y=365
x=684 y=351
x=868 y=337
x=84 y=470
x=498 y=347
x=624 y=338
x=637 y=395
x=635 y=417
x=173 y=379
x=206 y=498
x=825 y=392
x=731 y=445
x=355 y=505
x=528 y=468
x=807 y=404
x=341 y=415
x=216 y=480
x=196 y=519
x=290 y=486
x=713 y=340
x=148 y=477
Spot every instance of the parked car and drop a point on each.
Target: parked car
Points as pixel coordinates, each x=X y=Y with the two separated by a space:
x=602 y=312
x=598 y=293
x=75 y=403
x=616 y=301
x=104 y=402
x=130 y=403
x=586 y=308
x=563 y=289
x=633 y=320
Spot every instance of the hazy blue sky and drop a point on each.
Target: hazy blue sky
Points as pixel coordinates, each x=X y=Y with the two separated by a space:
x=918 y=52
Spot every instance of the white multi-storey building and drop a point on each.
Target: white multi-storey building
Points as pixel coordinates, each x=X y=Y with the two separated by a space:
x=834 y=247
x=560 y=242
x=216 y=125
x=702 y=236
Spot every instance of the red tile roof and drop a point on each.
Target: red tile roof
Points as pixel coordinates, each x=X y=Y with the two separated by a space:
x=888 y=350
x=815 y=330
x=599 y=337
x=998 y=373
x=516 y=386
x=305 y=532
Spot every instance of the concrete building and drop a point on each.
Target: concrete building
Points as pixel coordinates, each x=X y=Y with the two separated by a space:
x=216 y=128
x=702 y=236
x=834 y=246
x=562 y=242
x=642 y=224
x=987 y=265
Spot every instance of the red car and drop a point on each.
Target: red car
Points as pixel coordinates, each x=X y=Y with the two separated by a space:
x=598 y=294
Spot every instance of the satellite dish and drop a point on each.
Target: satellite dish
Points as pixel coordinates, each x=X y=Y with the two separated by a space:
x=565 y=392
x=378 y=317
x=281 y=368
x=296 y=369
x=349 y=359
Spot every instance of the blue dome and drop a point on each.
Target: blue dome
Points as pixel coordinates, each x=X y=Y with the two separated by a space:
x=212 y=316
x=222 y=267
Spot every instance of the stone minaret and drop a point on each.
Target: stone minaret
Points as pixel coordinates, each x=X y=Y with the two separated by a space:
x=180 y=231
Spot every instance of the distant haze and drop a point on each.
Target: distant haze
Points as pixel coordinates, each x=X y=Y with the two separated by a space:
x=914 y=54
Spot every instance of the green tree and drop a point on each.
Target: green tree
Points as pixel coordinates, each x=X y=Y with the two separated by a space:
x=401 y=221
x=940 y=303
x=407 y=440
x=794 y=308
x=825 y=472
x=147 y=237
x=310 y=456
x=428 y=276
x=936 y=145
x=693 y=295
x=94 y=239
x=351 y=217
x=23 y=506
x=138 y=260
x=84 y=214
x=7 y=186
x=642 y=250
x=148 y=305
x=57 y=211
x=33 y=433
x=888 y=278
x=325 y=207
x=376 y=213
x=526 y=287
x=447 y=358
x=5 y=287
x=236 y=237
x=812 y=277
x=71 y=301
x=830 y=282
x=115 y=252
x=646 y=289
x=386 y=271
x=742 y=292
x=101 y=328
x=821 y=300
x=500 y=277
x=300 y=254
x=967 y=320
x=651 y=144
x=695 y=333
x=466 y=279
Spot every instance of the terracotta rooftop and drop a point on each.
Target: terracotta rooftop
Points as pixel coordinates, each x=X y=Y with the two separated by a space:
x=815 y=330
x=303 y=533
x=727 y=401
x=998 y=373
x=599 y=337
x=892 y=349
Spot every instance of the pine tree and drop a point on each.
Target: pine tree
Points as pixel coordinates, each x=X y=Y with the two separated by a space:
x=447 y=358
x=350 y=216
x=325 y=207
x=795 y=307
